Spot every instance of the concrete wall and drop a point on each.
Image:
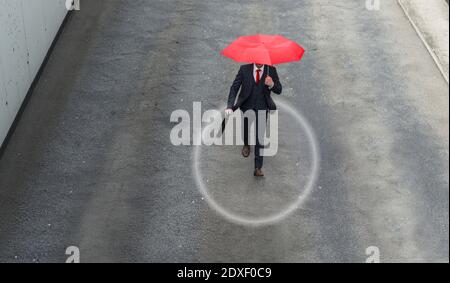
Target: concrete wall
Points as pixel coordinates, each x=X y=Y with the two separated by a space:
x=27 y=29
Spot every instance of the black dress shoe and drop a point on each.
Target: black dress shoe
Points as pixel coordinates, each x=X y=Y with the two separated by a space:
x=246 y=151
x=258 y=173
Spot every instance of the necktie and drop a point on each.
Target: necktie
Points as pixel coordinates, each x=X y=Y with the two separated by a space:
x=258 y=75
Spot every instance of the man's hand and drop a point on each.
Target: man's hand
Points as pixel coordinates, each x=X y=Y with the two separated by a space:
x=228 y=112
x=269 y=82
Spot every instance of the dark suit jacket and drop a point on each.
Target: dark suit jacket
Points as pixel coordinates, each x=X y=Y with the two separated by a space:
x=245 y=82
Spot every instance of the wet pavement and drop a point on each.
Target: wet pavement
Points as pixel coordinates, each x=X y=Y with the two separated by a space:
x=91 y=165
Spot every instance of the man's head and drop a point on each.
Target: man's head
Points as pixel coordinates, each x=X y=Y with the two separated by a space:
x=259 y=66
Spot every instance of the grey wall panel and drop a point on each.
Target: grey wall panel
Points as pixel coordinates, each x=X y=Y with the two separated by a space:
x=27 y=29
x=36 y=38
x=4 y=112
x=54 y=12
x=14 y=53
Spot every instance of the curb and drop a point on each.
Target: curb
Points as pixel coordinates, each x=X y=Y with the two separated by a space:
x=421 y=33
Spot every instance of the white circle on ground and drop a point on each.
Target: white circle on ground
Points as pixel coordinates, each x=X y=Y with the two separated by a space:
x=274 y=218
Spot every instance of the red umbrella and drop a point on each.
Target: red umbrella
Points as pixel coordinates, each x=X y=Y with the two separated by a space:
x=264 y=49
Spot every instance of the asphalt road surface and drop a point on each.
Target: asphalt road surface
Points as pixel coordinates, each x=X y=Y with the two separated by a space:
x=91 y=165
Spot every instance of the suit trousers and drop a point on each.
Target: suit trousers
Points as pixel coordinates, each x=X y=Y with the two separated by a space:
x=259 y=159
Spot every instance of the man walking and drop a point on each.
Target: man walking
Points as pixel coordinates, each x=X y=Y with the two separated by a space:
x=256 y=82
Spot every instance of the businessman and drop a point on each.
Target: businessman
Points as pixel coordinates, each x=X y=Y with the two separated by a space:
x=256 y=82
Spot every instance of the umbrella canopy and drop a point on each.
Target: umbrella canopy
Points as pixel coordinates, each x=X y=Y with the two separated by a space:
x=264 y=49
